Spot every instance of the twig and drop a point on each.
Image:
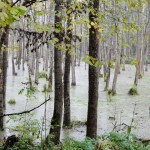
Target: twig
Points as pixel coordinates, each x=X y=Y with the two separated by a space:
x=15 y=3
x=27 y=111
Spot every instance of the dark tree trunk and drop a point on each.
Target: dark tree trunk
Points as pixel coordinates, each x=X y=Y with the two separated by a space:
x=67 y=117
x=93 y=76
x=58 y=97
x=3 y=71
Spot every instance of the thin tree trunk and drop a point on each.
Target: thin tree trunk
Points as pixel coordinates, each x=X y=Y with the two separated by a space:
x=3 y=72
x=37 y=67
x=67 y=120
x=73 y=83
x=108 y=70
x=117 y=65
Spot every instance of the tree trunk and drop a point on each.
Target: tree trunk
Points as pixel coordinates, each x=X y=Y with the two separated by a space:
x=58 y=97
x=3 y=71
x=67 y=117
x=108 y=69
x=73 y=83
x=13 y=63
x=37 y=67
x=93 y=76
x=117 y=65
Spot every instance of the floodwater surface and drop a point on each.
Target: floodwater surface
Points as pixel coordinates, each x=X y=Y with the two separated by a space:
x=112 y=111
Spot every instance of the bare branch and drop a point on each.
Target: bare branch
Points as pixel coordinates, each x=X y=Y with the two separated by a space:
x=27 y=111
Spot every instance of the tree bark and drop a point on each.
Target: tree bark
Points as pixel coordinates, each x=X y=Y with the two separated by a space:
x=3 y=71
x=93 y=76
x=58 y=96
x=67 y=120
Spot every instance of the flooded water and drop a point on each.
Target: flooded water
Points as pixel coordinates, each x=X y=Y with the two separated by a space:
x=117 y=109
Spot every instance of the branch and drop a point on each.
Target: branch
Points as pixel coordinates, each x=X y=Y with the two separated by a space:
x=28 y=3
x=25 y=112
x=15 y=3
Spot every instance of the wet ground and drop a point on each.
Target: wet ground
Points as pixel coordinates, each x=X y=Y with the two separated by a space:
x=111 y=110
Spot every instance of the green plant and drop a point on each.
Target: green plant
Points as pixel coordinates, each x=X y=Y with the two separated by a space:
x=121 y=141
x=12 y=101
x=42 y=74
x=73 y=144
x=110 y=141
x=31 y=91
x=133 y=91
x=47 y=88
x=111 y=92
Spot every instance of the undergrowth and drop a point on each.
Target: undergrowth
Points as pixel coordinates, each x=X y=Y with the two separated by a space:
x=133 y=91
x=111 y=141
x=42 y=74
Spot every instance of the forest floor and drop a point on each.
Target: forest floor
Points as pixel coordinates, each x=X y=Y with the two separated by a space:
x=112 y=111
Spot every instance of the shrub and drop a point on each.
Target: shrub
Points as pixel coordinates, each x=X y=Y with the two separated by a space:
x=47 y=88
x=111 y=92
x=42 y=74
x=133 y=91
x=111 y=141
x=12 y=101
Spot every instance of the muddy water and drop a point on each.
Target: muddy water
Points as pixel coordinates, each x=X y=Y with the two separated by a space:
x=117 y=109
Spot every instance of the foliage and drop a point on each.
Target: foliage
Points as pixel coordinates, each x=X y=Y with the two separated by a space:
x=111 y=141
x=29 y=90
x=26 y=126
x=133 y=91
x=111 y=92
x=47 y=88
x=87 y=144
x=42 y=74
x=12 y=101
x=121 y=141
x=10 y=14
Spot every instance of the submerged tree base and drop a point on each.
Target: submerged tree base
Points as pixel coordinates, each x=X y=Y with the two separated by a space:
x=111 y=92
x=133 y=91
x=75 y=124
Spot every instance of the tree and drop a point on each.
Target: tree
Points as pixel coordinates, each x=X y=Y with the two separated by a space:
x=67 y=119
x=58 y=97
x=93 y=73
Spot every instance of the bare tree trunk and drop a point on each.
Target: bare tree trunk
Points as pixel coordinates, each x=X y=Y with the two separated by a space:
x=67 y=115
x=146 y=62
x=58 y=97
x=138 y=53
x=20 y=53
x=51 y=66
x=108 y=69
x=93 y=76
x=37 y=67
x=3 y=71
x=13 y=63
x=28 y=65
x=117 y=64
x=73 y=83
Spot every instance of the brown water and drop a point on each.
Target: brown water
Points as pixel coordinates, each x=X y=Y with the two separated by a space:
x=119 y=107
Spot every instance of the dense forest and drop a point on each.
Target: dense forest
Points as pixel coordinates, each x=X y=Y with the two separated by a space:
x=74 y=74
